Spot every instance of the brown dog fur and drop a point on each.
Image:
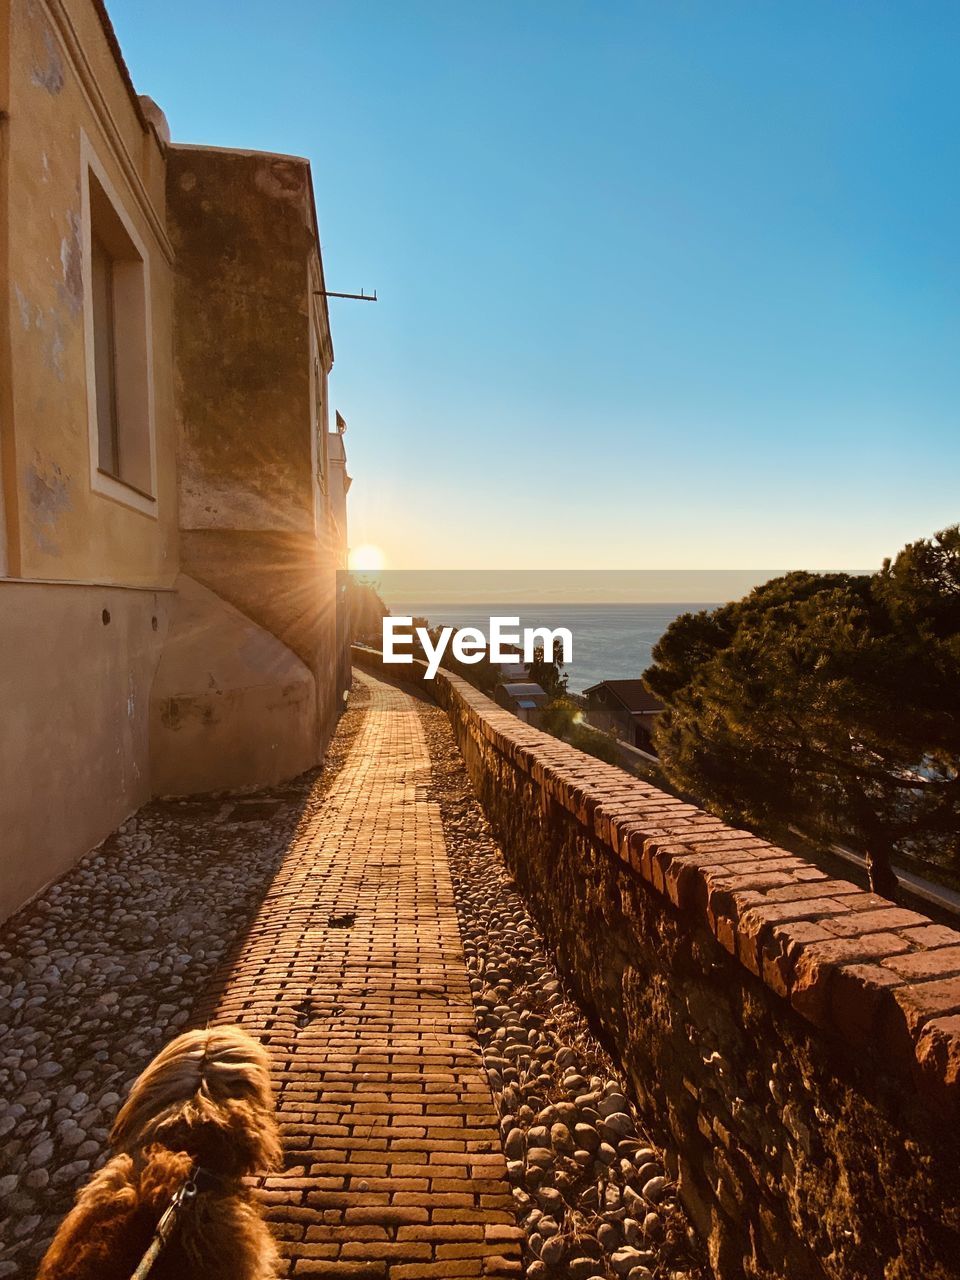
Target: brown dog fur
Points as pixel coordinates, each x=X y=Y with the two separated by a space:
x=204 y=1099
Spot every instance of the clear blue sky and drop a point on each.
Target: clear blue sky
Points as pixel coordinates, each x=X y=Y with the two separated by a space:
x=662 y=284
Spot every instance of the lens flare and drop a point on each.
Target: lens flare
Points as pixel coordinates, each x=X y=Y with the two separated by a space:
x=368 y=558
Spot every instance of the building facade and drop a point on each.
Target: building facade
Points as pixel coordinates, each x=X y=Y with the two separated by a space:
x=626 y=708
x=524 y=698
x=170 y=535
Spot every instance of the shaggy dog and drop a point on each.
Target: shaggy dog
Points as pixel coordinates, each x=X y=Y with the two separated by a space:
x=203 y=1103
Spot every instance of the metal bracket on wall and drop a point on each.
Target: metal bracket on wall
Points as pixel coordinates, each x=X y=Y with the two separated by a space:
x=357 y=297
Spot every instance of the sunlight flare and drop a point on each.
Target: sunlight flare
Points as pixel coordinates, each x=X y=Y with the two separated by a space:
x=368 y=558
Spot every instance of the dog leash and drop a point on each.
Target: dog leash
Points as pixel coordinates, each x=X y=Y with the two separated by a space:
x=184 y=1194
x=199 y=1179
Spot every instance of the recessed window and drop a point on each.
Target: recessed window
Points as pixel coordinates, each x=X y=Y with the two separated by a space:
x=118 y=349
x=105 y=358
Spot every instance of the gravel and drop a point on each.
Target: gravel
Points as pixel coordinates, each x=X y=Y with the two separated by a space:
x=589 y=1186
x=107 y=965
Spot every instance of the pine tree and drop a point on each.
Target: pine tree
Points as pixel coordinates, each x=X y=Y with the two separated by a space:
x=829 y=703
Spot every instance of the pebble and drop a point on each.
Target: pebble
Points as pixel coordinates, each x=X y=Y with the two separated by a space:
x=551 y=1199
x=587 y=1136
x=624 y=1260
x=581 y=1268
x=514 y=1144
x=553 y=1251
x=609 y=1236
x=619 y=1124
x=578 y=1193
x=560 y=1138
x=612 y=1104
x=101 y=969
x=654 y=1189
x=652 y=1227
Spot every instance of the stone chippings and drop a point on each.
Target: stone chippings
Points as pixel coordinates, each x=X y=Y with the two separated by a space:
x=105 y=966
x=590 y=1189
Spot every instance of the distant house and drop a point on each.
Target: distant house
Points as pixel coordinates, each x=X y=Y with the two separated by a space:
x=513 y=672
x=523 y=698
x=626 y=707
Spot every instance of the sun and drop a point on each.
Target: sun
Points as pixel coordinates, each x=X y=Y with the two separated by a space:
x=368 y=558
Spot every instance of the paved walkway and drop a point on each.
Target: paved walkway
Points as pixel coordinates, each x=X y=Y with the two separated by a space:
x=354 y=975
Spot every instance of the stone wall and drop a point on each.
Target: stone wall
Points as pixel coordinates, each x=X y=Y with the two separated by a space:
x=795 y=1039
x=252 y=351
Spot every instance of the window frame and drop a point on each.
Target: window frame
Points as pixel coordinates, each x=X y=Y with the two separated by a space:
x=319 y=411
x=104 y=482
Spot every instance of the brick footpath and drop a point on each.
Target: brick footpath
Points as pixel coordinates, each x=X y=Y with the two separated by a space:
x=354 y=976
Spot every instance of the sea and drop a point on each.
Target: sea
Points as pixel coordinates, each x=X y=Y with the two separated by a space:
x=610 y=641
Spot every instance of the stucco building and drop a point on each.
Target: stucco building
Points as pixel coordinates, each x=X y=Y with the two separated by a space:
x=625 y=707
x=173 y=515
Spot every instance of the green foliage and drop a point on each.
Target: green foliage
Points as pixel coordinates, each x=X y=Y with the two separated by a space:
x=558 y=716
x=550 y=676
x=595 y=743
x=830 y=702
x=562 y=717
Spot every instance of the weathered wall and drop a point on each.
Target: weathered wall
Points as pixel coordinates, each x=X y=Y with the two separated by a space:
x=76 y=665
x=7 y=458
x=247 y=324
x=798 y=1039
x=74 y=690
x=231 y=707
x=59 y=526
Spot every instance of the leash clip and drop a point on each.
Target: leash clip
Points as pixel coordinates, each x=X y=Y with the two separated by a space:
x=165 y=1228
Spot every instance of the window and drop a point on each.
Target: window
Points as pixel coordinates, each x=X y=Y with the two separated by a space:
x=320 y=414
x=119 y=393
x=105 y=358
x=318 y=424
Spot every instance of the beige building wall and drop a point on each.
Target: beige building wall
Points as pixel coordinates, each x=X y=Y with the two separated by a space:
x=231 y=706
x=105 y=638
x=74 y=740
x=72 y=115
x=6 y=387
x=78 y=658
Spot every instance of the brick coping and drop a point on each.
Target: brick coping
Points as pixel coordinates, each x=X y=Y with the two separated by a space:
x=848 y=961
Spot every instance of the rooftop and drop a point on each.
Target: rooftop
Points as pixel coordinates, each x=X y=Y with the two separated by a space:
x=633 y=694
